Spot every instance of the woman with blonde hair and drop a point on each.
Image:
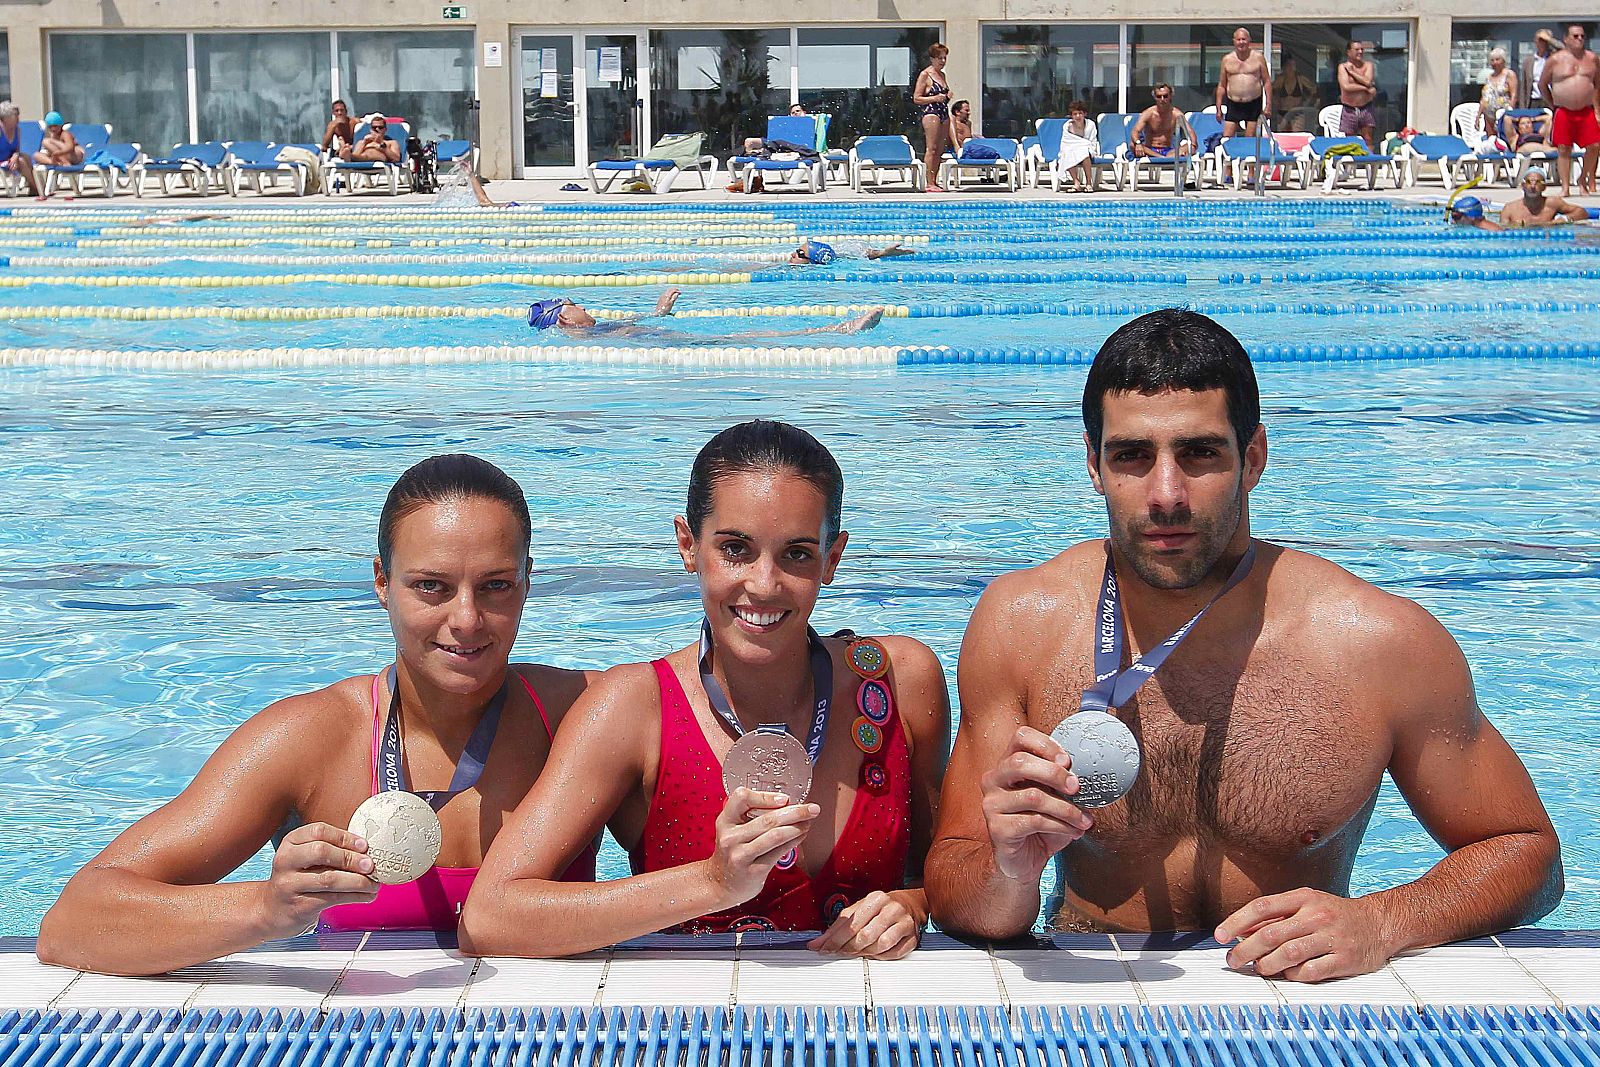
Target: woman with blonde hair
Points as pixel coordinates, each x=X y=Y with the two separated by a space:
x=1499 y=91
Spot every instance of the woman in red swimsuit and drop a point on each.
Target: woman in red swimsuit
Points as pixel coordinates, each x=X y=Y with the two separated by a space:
x=452 y=572
x=644 y=750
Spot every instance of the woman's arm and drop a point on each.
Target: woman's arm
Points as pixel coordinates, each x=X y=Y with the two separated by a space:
x=147 y=904
x=919 y=91
x=596 y=766
x=888 y=925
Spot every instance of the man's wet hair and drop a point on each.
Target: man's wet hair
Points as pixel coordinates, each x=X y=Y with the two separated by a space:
x=1173 y=349
x=765 y=447
x=440 y=479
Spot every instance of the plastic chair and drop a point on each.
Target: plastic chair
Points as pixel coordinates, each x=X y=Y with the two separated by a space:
x=105 y=163
x=876 y=156
x=1006 y=162
x=199 y=166
x=670 y=156
x=255 y=165
x=1352 y=154
x=798 y=130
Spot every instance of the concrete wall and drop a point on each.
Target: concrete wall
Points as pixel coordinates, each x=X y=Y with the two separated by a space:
x=27 y=23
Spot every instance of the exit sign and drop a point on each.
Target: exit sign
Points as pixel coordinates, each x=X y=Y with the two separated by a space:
x=456 y=11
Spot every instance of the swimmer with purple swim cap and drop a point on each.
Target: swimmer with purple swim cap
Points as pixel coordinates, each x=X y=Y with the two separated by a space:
x=574 y=319
x=819 y=253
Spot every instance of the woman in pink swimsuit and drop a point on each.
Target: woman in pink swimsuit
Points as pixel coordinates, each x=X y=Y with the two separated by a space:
x=867 y=721
x=450 y=718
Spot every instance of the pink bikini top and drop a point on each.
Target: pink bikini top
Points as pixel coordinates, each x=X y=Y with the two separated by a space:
x=432 y=902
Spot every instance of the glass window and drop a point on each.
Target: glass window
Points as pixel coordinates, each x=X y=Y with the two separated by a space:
x=1305 y=63
x=422 y=76
x=138 y=82
x=863 y=79
x=1470 y=43
x=722 y=83
x=262 y=86
x=1187 y=57
x=5 y=67
x=1034 y=72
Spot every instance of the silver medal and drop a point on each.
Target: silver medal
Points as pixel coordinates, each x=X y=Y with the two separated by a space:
x=403 y=835
x=1105 y=756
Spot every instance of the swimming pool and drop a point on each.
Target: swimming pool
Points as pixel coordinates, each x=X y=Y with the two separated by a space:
x=186 y=548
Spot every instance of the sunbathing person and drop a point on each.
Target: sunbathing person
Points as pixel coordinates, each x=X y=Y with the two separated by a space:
x=375 y=147
x=452 y=572
x=11 y=157
x=761 y=777
x=819 y=253
x=574 y=320
x=1161 y=129
x=58 y=148
x=1535 y=208
x=341 y=131
x=1530 y=136
x=1468 y=211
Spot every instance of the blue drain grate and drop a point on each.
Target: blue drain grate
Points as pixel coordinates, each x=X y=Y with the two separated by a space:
x=1216 y=1036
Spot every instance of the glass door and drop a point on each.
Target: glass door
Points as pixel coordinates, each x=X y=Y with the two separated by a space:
x=583 y=98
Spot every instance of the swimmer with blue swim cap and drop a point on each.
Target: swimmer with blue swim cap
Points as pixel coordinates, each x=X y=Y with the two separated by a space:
x=819 y=253
x=1468 y=211
x=575 y=320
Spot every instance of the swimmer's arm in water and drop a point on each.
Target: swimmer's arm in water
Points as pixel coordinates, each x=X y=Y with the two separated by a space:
x=896 y=249
x=149 y=903
x=601 y=770
x=888 y=925
x=1468 y=789
x=1004 y=812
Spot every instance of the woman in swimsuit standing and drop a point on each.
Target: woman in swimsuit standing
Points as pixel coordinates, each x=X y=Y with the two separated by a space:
x=452 y=571
x=646 y=748
x=931 y=94
x=1499 y=91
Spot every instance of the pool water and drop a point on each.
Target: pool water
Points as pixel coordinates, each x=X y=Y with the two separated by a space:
x=185 y=549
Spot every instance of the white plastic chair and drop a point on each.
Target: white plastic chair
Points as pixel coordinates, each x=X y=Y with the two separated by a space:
x=1328 y=120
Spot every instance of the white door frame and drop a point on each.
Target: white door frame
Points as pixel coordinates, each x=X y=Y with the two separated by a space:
x=580 y=92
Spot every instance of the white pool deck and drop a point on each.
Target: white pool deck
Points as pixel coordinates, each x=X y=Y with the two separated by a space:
x=1526 y=968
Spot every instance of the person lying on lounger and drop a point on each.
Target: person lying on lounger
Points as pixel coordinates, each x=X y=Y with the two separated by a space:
x=574 y=320
x=375 y=147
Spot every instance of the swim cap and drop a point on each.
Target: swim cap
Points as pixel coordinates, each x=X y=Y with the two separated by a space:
x=54 y=119
x=545 y=313
x=1469 y=207
x=819 y=253
x=1540 y=171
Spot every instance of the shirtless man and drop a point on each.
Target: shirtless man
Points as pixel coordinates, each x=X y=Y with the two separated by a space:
x=58 y=148
x=341 y=132
x=1358 y=86
x=1265 y=735
x=1244 y=90
x=1537 y=209
x=1568 y=82
x=375 y=147
x=1156 y=132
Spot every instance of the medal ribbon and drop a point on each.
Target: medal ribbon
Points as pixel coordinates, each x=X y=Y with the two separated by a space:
x=821 y=692
x=1113 y=686
x=392 y=772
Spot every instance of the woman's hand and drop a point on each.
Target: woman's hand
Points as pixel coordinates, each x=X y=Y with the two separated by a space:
x=754 y=830
x=879 y=926
x=316 y=867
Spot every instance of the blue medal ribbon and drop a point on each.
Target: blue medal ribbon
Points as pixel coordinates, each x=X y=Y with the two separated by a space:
x=821 y=692
x=1114 y=686
x=392 y=771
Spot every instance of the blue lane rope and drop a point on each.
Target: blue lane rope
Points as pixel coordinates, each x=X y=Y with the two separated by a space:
x=1508 y=274
x=1410 y=351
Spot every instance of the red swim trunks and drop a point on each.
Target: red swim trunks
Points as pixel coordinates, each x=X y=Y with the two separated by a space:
x=1575 y=127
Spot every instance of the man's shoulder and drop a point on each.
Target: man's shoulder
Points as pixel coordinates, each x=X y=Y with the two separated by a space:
x=1041 y=590
x=1347 y=610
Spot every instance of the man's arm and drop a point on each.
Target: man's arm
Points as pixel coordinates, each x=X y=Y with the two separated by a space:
x=1002 y=815
x=1467 y=788
x=1544 y=79
x=1222 y=86
x=1571 y=211
x=1136 y=145
x=1266 y=89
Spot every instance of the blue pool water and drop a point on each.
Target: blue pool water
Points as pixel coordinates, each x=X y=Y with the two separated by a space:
x=183 y=549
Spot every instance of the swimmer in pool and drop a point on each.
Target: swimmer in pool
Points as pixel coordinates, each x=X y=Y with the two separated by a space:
x=1468 y=211
x=574 y=320
x=452 y=572
x=1537 y=207
x=812 y=252
x=1265 y=736
x=645 y=752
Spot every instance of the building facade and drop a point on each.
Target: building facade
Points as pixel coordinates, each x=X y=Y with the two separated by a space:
x=546 y=89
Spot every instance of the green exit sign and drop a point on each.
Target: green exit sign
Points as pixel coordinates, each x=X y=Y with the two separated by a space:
x=456 y=11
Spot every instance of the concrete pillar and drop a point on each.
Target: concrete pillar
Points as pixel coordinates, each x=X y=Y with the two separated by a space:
x=496 y=127
x=1430 y=82
x=28 y=89
x=965 y=40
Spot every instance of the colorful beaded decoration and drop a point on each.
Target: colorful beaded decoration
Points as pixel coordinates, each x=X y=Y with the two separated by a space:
x=750 y=924
x=788 y=860
x=867 y=658
x=874 y=776
x=874 y=701
x=834 y=906
x=867 y=736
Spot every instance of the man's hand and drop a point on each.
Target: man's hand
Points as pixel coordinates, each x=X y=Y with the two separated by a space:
x=1025 y=807
x=1306 y=935
x=879 y=926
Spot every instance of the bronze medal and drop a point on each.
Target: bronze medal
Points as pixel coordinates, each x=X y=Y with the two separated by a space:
x=768 y=761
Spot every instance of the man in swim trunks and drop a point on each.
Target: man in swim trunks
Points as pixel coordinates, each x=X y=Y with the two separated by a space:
x=376 y=147
x=341 y=132
x=11 y=157
x=574 y=320
x=1156 y=134
x=1266 y=734
x=821 y=253
x=59 y=148
x=1468 y=211
x=1569 y=82
x=1537 y=209
x=1358 y=86
x=1244 y=89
